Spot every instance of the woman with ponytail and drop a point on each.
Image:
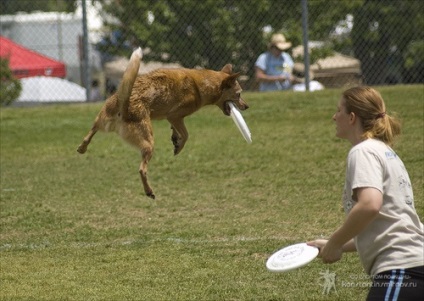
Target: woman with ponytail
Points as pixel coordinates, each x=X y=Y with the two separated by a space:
x=381 y=222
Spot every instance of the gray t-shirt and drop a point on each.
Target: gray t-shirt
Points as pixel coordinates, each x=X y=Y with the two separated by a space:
x=395 y=239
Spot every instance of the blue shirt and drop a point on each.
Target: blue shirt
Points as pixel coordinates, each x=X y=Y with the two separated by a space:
x=272 y=65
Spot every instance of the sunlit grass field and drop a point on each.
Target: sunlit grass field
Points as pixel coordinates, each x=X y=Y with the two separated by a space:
x=78 y=227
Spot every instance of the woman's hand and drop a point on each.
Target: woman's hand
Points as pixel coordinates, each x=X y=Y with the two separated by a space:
x=329 y=252
x=318 y=243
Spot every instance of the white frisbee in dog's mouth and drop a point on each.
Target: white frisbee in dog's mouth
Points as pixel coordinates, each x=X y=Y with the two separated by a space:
x=240 y=123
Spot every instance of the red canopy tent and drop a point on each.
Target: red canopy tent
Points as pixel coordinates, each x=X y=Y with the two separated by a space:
x=27 y=63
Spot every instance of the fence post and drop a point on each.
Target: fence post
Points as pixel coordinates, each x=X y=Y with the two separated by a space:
x=305 y=41
x=86 y=67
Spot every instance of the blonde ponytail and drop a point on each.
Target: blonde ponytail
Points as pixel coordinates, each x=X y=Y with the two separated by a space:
x=369 y=106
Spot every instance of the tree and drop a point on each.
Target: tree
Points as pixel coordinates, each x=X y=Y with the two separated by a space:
x=385 y=35
x=211 y=33
x=414 y=62
x=10 y=86
x=10 y=7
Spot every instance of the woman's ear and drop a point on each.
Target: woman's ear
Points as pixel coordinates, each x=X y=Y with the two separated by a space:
x=352 y=117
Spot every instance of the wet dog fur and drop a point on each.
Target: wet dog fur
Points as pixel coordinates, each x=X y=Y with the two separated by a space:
x=170 y=94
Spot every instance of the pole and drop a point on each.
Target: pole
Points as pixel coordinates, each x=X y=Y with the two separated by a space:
x=86 y=67
x=305 y=41
x=59 y=32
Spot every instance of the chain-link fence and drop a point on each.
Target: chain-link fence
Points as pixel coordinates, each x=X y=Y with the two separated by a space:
x=350 y=42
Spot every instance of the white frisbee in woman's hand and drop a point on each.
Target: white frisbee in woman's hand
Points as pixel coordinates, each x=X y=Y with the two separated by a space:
x=239 y=121
x=291 y=257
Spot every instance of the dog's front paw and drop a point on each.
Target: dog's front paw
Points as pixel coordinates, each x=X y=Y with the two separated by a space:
x=174 y=139
x=175 y=142
x=176 y=151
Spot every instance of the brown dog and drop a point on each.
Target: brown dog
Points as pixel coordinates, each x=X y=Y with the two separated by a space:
x=165 y=93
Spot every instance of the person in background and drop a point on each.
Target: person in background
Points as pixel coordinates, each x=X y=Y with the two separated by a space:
x=381 y=222
x=273 y=68
x=95 y=94
x=110 y=87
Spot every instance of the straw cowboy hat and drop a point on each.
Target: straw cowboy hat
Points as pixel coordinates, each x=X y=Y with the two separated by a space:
x=278 y=40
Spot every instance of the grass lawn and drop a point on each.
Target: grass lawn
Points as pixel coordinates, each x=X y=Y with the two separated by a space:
x=78 y=227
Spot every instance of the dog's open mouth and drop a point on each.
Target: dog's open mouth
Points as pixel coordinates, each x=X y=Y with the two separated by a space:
x=227 y=109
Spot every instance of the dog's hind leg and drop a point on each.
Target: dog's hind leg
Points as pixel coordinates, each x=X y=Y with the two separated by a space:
x=179 y=134
x=141 y=136
x=146 y=154
x=82 y=148
x=100 y=124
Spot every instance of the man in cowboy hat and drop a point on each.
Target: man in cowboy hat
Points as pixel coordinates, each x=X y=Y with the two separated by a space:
x=273 y=69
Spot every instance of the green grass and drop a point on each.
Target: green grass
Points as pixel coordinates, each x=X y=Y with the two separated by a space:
x=78 y=227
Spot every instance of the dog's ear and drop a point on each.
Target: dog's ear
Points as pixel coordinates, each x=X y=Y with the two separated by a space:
x=229 y=81
x=227 y=69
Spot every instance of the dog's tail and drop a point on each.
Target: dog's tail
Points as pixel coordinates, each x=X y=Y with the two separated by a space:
x=125 y=88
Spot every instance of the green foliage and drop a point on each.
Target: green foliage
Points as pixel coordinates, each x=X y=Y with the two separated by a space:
x=324 y=14
x=78 y=227
x=13 y=6
x=414 y=61
x=212 y=33
x=382 y=33
x=316 y=53
x=10 y=86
